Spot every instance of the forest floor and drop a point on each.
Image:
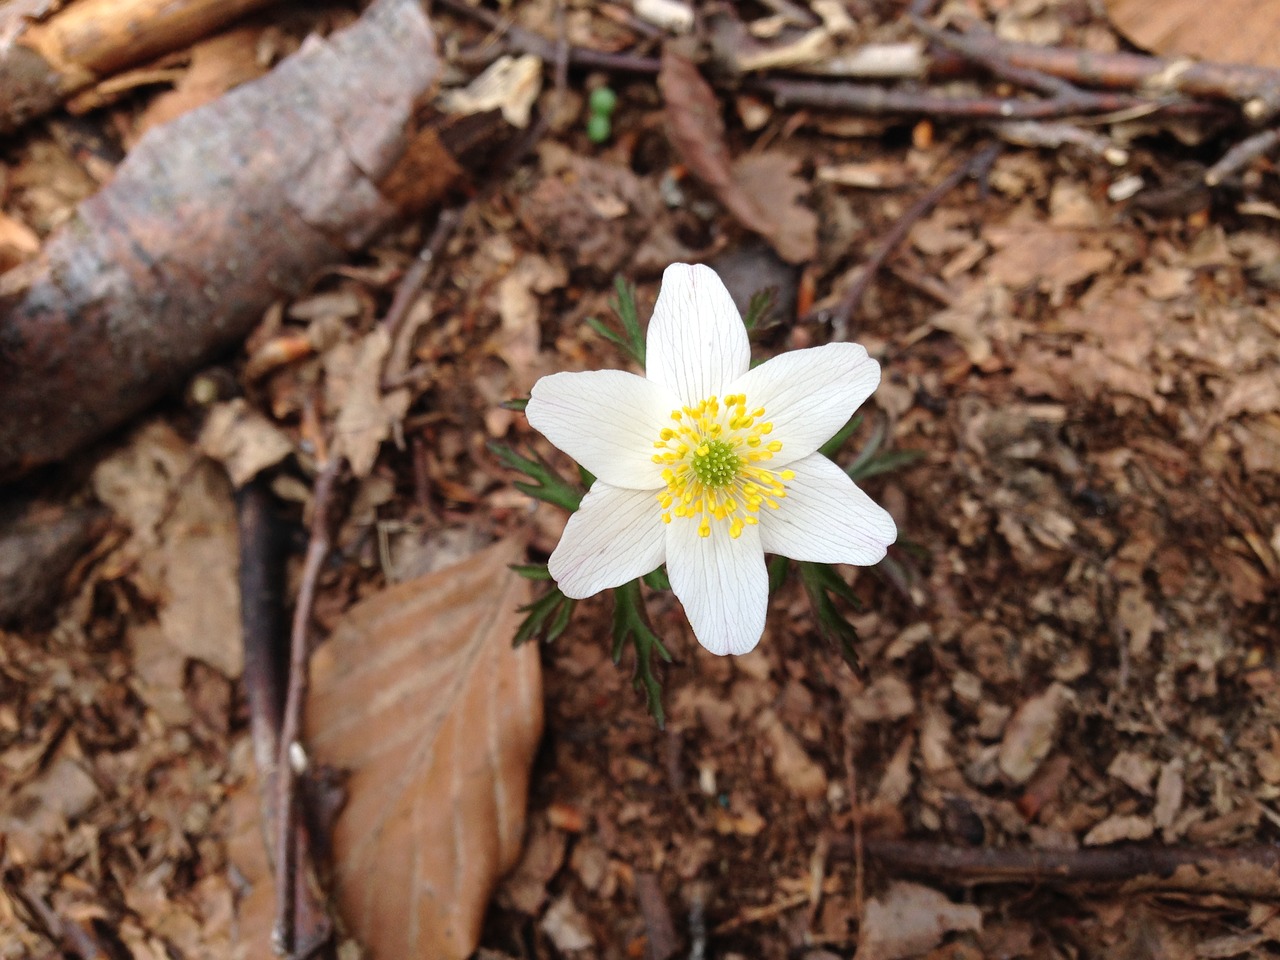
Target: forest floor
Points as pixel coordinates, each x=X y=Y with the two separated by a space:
x=1073 y=649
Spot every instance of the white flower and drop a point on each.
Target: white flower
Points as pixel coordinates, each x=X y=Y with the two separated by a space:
x=706 y=464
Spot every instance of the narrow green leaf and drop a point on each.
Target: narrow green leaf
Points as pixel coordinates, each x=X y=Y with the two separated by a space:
x=547 y=617
x=832 y=446
x=760 y=309
x=886 y=462
x=548 y=485
x=822 y=583
x=623 y=303
x=657 y=579
x=532 y=571
x=631 y=626
x=778 y=568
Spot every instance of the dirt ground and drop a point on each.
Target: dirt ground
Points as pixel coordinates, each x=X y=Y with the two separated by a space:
x=1072 y=649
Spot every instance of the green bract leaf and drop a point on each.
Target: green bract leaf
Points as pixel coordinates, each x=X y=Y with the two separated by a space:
x=824 y=585
x=548 y=485
x=631 y=337
x=532 y=571
x=832 y=446
x=631 y=625
x=885 y=462
x=760 y=309
x=547 y=617
x=657 y=579
x=778 y=568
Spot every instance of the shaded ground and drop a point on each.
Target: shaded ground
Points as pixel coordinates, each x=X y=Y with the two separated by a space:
x=1077 y=648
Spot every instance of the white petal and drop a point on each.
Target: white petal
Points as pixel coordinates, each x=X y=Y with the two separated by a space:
x=809 y=394
x=613 y=537
x=696 y=344
x=722 y=583
x=607 y=420
x=825 y=518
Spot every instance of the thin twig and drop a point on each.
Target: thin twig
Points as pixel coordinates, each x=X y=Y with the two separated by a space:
x=876 y=100
x=1241 y=155
x=1241 y=871
x=1255 y=89
x=67 y=934
x=1044 y=83
x=1054 y=134
x=291 y=724
x=849 y=303
x=261 y=618
x=526 y=41
x=416 y=276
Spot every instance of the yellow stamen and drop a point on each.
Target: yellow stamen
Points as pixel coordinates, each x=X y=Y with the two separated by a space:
x=710 y=454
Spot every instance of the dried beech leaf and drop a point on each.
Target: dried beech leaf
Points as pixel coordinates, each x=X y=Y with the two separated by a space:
x=1031 y=733
x=910 y=919
x=696 y=130
x=420 y=695
x=1210 y=31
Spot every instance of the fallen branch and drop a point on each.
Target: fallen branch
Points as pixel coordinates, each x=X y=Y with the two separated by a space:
x=215 y=215
x=1249 y=871
x=45 y=62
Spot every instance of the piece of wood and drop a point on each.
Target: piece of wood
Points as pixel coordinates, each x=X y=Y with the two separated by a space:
x=213 y=216
x=45 y=61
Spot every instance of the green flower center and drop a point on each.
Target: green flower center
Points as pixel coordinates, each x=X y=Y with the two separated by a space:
x=715 y=464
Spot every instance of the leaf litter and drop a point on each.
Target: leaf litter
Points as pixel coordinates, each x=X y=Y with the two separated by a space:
x=1096 y=509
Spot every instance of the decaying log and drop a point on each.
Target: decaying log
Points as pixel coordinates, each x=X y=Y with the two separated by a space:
x=214 y=215
x=45 y=61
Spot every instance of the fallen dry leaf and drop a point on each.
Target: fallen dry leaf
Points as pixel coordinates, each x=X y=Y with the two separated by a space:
x=792 y=766
x=45 y=805
x=183 y=554
x=367 y=415
x=243 y=440
x=420 y=696
x=1035 y=254
x=789 y=225
x=909 y=920
x=1120 y=827
x=1211 y=31
x=1031 y=733
x=696 y=130
x=888 y=698
x=510 y=84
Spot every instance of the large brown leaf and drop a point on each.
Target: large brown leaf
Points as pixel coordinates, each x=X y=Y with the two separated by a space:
x=761 y=191
x=420 y=695
x=1234 y=31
